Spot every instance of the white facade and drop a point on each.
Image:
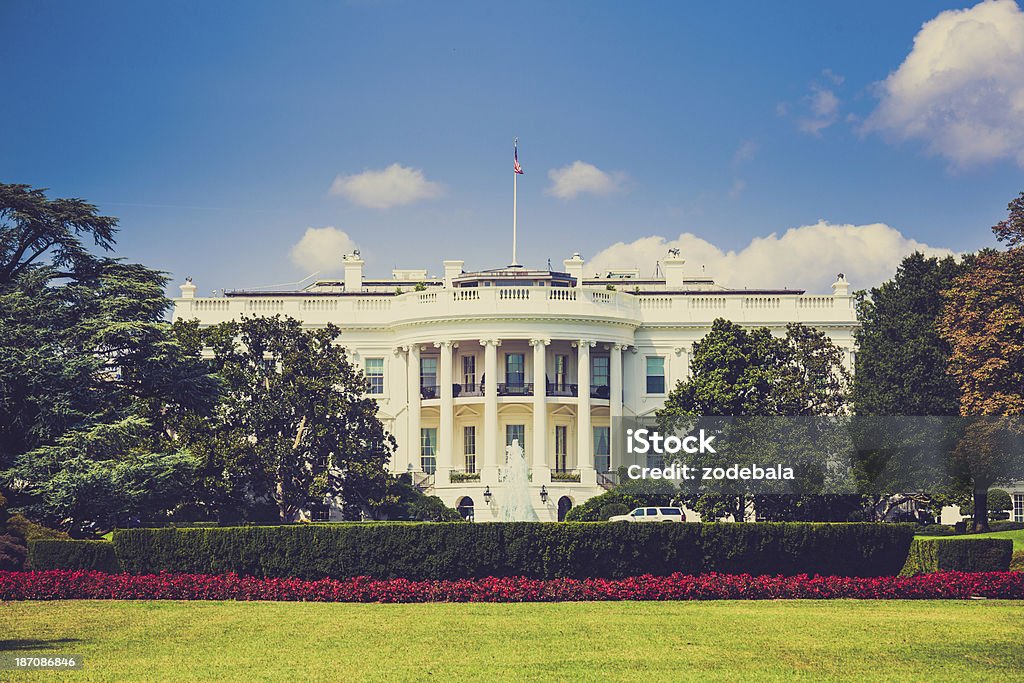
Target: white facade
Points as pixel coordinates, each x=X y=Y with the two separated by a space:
x=463 y=363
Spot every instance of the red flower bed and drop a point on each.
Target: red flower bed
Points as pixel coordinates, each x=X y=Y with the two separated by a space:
x=62 y=585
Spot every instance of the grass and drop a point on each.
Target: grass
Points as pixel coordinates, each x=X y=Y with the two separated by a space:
x=1016 y=536
x=727 y=640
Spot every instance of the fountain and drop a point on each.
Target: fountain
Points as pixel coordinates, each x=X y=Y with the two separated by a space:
x=514 y=504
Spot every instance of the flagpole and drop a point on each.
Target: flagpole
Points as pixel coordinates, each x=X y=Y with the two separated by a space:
x=515 y=207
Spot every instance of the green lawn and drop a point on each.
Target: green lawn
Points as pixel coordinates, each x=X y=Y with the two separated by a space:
x=1016 y=536
x=268 y=641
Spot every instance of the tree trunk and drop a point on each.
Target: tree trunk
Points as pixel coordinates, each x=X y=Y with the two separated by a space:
x=740 y=515
x=980 y=509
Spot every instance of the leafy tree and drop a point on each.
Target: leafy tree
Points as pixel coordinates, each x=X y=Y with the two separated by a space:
x=746 y=373
x=983 y=323
x=999 y=501
x=85 y=353
x=901 y=359
x=631 y=493
x=293 y=425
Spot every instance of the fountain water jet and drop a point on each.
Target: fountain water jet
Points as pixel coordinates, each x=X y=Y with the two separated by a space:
x=515 y=505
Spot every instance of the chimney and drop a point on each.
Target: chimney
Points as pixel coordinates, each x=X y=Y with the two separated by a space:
x=452 y=269
x=353 y=272
x=672 y=267
x=841 y=287
x=188 y=290
x=574 y=266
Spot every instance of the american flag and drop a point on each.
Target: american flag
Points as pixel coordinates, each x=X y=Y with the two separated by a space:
x=515 y=157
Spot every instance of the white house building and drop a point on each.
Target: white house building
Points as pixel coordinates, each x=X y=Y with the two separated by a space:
x=466 y=363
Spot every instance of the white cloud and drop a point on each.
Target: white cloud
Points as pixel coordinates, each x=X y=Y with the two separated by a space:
x=392 y=186
x=580 y=177
x=961 y=88
x=824 y=110
x=321 y=249
x=807 y=257
x=738 y=186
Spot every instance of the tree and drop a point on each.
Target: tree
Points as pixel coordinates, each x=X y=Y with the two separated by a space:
x=293 y=426
x=750 y=373
x=983 y=323
x=902 y=360
x=85 y=353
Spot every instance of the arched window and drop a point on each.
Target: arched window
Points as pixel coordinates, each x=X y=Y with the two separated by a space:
x=564 y=505
x=465 y=508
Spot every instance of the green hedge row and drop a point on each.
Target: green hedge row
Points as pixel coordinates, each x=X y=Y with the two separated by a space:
x=72 y=554
x=963 y=554
x=535 y=550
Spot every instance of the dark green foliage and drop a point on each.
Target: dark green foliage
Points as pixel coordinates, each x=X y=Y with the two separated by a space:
x=1006 y=526
x=293 y=425
x=75 y=554
x=12 y=553
x=935 y=530
x=958 y=554
x=1017 y=561
x=536 y=550
x=998 y=501
x=901 y=359
x=611 y=510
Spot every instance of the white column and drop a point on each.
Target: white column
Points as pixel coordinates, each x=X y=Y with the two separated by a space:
x=445 y=445
x=584 y=433
x=413 y=383
x=541 y=470
x=615 y=399
x=489 y=471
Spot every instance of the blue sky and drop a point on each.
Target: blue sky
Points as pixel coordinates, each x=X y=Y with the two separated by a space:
x=216 y=131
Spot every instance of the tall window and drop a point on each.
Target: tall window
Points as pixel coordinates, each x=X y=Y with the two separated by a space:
x=599 y=372
x=375 y=374
x=515 y=369
x=561 y=447
x=1018 y=507
x=655 y=374
x=469 y=372
x=561 y=370
x=428 y=449
x=428 y=373
x=602 y=449
x=515 y=432
x=469 y=447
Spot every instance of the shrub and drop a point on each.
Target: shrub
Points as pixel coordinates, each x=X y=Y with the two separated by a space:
x=935 y=530
x=24 y=528
x=72 y=554
x=632 y=493
x=64 y=585
x=532 y=550
x=612 y=509
x=12 y=552
x=958 y=554
x=1005 y=526
x=1017 y=561
x=998 y=501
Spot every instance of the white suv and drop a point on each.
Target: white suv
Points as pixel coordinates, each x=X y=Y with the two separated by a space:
x=651 y=515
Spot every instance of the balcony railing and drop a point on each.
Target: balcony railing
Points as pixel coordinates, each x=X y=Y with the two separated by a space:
x=468 y=390
x=458 y=476
x=430 y=391
x=608 y=480
x=565 y=475
x=599 y=391
x=515 y=389
x=555 y=389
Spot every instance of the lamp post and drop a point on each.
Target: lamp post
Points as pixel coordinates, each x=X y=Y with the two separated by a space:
x=487 y=495
x=543 y=494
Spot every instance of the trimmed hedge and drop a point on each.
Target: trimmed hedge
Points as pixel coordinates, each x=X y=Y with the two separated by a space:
x=532 y=550
x=963 y=554
x=44 y=554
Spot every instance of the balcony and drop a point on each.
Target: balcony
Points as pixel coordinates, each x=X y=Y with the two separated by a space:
x=459 y=476
x=555 y=389
x=515 y=389
x=467 y=390
x=599 y=391
x=562 y=475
